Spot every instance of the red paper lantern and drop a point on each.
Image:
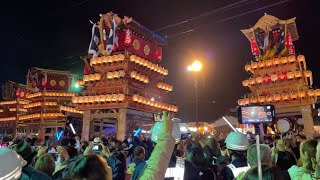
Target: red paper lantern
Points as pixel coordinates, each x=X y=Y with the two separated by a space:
x=266 y=79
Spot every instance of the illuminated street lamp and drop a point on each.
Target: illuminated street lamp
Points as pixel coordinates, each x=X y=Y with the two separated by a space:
x=196 y=66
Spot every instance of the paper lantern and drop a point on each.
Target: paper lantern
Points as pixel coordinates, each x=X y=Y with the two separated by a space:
x=115 y=97
x=310 y=92
x=277 y=97
x=276 y=61
x=274 y=77
x=121 y=97
x=75 y=100
x=261 y=64
x=100 y=60
x=110 y=59
x=153 y=66
x=284 y=60
x=91 y=99
x=138 y=76
x=269 y=98
x=109 y=98
x=145 y=63
x=259 y=79
x=157 y=130
x=301 y=58
x=252 y=81
x=85 y=99
x=140 y=99
x=97 y=76
x=254 y=65
x=133 y=58
x=122 y=73
x=292 y=59
x=246 y=101
x=285 y=96
x=261 y=99
x=121 y=57
x=282 y=76
x=102 y=98
x=135 y=97
x=86 y=78
x=266 y=79
x=109 y=75
x=166 y=72
x=116 y=74
x=317 y=92
x=301 y=94
x=141 y=62
x=269 y=62
x=293 y=95
x=115 y=58
x=142 y=78
x=96 y=99
x=240 y=102
x=308 y=73
x=290 y=75
x=91 y=77
x=298 y=74
x=133 y=74
x=253 y=100
x=104 y=59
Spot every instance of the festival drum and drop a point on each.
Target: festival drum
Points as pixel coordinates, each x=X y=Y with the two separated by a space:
x=283 y=125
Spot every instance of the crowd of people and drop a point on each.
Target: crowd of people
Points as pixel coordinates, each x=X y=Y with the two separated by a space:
x=196 y=158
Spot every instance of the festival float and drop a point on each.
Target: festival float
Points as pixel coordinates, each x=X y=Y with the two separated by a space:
x=40 y=108
x=123 y=82
x=278 y=75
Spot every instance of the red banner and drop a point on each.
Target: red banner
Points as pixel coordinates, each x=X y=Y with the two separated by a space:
x=138 y=46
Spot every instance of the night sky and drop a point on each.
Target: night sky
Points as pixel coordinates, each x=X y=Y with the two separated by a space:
x=54 y=34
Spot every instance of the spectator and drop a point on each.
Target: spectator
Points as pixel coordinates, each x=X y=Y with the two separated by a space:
x=11 y=164
x=308 y=151
x=268 y=173
x=282 y=158
x=92 y=167
x=45 y=164
x=139 y=155
x=69 y=156
x=117 y=162
x=28 y=154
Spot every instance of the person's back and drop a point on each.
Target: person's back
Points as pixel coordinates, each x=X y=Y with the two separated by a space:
x=285 y=160
x=29 y=173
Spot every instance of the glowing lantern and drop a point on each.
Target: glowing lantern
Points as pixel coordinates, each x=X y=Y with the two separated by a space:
x=166 y=72
x=290 y=75
x=292 y=59
x=97 y=99
x=91 y=77
x=141 y=62
x=301 y=94
x=259 y=79
x=121 y=57
x=75 y=100
x=253 y=100
x=100 y=60
x=91 y=99
x=261 y=99
x=115 y=58
x=85 y=99
x=274 y=77
x=109 y=75
x=102 y=98
x=115 y=97
x=109 y=59
x=317 y=92
x=85 y=78
x=277 y=97
x=252 y=81
x=298 y=74
x=116 y=74
x=240 y=102
x=104 y=59
x=122 y=73
x=146 y=80
x=140 y=99
x=261 y=64
x=254 y=65
x=266 y=79
x=135 y=97
x=133 y=74
x=311 y=92
x=246 y=101
x=133 y=58
x=282 y=76
x=276 y=61
x=308 y=73
x=109 y=98
x=269 y=98
x=285 y=96
x=153 y=66
x=145 y=63
x=293 y=95
x=284 y=60
x=142 y=78
x=97 y=77
x=269 y=62
x=121 y=97
x=301 y=58
x=138 y=77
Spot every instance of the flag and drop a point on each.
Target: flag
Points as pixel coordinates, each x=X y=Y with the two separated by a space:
x=259 y=39
x=93 y=47
x=289 y=44
x=280 y=43
x=254 y=47
x=112 y=39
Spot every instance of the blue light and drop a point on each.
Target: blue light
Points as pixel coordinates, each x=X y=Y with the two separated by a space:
x=59 y=135
x=137 y=132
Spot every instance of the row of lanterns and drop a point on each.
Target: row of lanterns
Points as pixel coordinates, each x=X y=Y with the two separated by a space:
x=69 y=109
x=52 y=94
x=8 y=119
x=92 y=77
x=107 y=59
x=38 y=115
x=275 y=77
x=156 y=104
x=274 y=62
x=148 y=64
x=80 y=82
x=139 y=77
x=8 y=102
x=116 y=74
x=19 y=109
x=99 y=99
x=165 y=86
x=278 y=97
x=36 y=104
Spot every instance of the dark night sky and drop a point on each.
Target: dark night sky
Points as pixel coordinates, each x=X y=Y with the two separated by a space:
x=53 y=34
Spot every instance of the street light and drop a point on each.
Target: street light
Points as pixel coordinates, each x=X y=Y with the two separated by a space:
x=196 y=66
